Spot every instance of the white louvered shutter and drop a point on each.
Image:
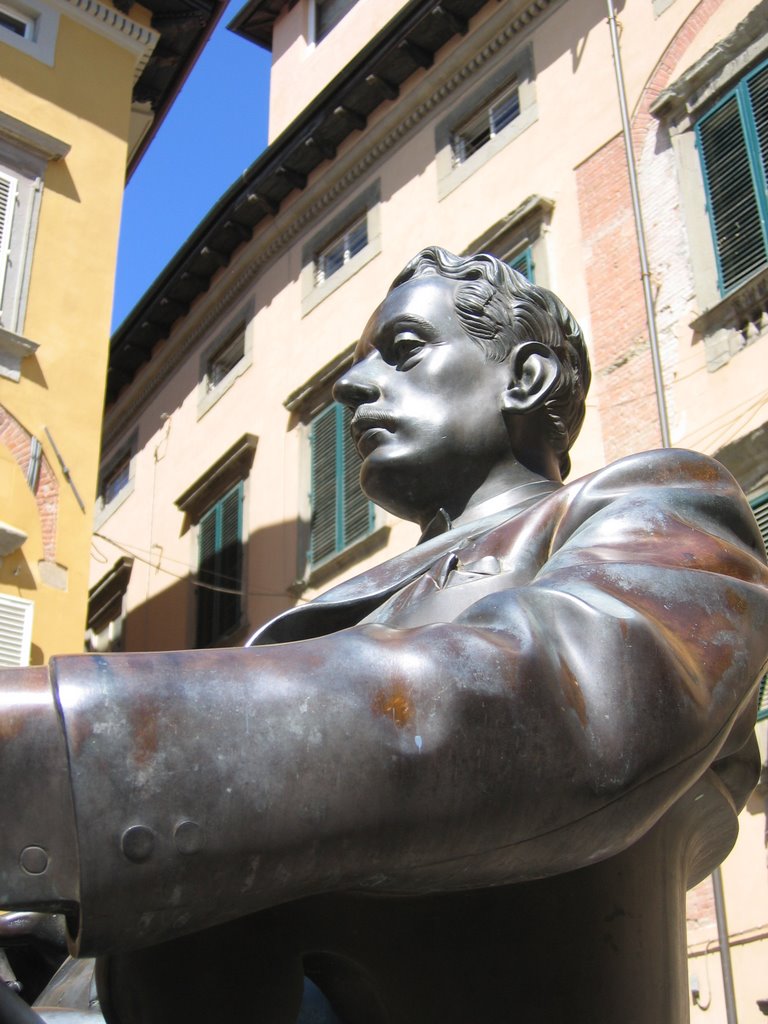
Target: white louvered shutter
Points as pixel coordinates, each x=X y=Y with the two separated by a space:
x=15 y=631
x=8 y=186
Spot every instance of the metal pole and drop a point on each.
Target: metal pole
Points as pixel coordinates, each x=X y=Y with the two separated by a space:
x=725 y=947
x=645 y=274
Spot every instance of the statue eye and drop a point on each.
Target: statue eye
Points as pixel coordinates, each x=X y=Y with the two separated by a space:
x=406 y=346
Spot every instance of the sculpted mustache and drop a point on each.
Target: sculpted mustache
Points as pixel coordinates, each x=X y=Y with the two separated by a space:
x=364 y=417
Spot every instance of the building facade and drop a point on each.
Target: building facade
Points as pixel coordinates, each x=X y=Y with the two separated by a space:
x=83 y=86
x=228 y=484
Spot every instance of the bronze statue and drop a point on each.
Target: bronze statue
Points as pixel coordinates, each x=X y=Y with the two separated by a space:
x=467 y=786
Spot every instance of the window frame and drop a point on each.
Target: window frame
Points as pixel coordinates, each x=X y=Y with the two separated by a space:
x=126 y=454
x=744 y=109
x=209 y=392
x=40 y=42
x=344 y=452
x=521 y=233
x=348 y=246
x=516 y=71
x=317 y=33
x=367 y=204
x=480 y=121
x=217 y=589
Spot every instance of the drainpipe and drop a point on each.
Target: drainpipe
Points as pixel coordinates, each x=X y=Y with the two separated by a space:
x=725 y=947
x=650 y=313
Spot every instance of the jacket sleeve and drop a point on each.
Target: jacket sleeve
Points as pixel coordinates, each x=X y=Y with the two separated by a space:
x=548 y=726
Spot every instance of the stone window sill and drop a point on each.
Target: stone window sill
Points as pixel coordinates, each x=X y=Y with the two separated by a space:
x=735 y=322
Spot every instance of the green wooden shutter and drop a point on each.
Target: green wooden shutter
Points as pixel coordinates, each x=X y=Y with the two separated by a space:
x=220 y=568
x=341 y=513
x=760 y=508
x=230 y=568
x=523 y=263
x=732 y=145
x=323 y=486
x=356 y=510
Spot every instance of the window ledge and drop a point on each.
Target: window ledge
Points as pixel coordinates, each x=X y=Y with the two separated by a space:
x=32 y=139
x=333 y=565
x=736 y=321
x=14 y=348
x=234 y=465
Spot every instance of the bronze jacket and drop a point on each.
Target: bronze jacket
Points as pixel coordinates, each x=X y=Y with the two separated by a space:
x=516 y=698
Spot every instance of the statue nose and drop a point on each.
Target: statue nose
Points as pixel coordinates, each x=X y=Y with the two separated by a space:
x=355 y=388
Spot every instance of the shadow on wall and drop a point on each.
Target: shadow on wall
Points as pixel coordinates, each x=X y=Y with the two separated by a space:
x=167 y=619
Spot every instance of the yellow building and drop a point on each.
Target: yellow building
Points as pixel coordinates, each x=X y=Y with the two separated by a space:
x=82 y=84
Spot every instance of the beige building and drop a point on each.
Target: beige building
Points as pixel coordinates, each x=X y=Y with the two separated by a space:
x=83 y=85
x=228 y=486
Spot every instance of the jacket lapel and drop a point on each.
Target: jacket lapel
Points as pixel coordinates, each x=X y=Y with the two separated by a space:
x=354 y=599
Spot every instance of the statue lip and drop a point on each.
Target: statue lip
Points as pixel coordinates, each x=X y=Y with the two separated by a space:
x=366 y=422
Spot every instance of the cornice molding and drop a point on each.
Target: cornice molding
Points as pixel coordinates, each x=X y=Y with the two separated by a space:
x=117 y=27
x=377 y=143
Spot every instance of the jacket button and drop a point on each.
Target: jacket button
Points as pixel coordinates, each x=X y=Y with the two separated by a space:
x=33 y=860
x=188 y=837
x=137 y=843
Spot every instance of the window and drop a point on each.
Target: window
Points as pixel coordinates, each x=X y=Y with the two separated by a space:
x=18 y=22
x=8 y=192
x=519 y=238
x=115 y=482
x=760 y=508
x=347 y=242
x=341 y=250
x=30 y=26
x=224 y=360
x=327 y=14
x=341 y=513
x=15 y=631
x=733 y=146
x=106 y=608
x=220 y=568
x=486 y=124
x=522 y=262
x=24 y=155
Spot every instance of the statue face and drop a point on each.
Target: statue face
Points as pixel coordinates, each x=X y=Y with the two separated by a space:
x=427 y=404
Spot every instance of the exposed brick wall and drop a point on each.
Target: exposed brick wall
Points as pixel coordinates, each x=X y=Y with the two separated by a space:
x=622 y=360
x=700 y=913
x=18 y=442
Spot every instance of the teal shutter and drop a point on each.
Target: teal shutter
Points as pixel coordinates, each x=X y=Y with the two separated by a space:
x=341 y=513
x=220 y=568
x=323 y=493
x=733 y=146
x=356 y=510
x=760 y=508
x=523 y=264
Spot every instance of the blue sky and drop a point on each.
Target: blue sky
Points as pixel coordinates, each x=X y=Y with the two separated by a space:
x=215 y=129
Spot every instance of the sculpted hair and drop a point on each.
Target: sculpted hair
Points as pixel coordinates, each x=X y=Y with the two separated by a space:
x=499 y=309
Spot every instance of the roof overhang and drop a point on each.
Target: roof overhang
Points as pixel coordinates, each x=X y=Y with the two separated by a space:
x=406 y=44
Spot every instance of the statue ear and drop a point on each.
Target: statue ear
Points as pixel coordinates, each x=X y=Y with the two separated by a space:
x=535 y=372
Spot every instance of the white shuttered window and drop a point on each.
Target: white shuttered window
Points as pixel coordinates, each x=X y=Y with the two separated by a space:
x=15 y=631
x=8 y=187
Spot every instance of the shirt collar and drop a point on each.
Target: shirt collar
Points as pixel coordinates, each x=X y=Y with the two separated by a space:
x=441 y=521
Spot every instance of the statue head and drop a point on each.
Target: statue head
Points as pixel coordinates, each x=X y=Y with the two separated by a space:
x=468 y=380
x=500 y=310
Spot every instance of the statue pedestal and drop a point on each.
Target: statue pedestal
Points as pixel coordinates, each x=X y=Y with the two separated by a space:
x=602 y=945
